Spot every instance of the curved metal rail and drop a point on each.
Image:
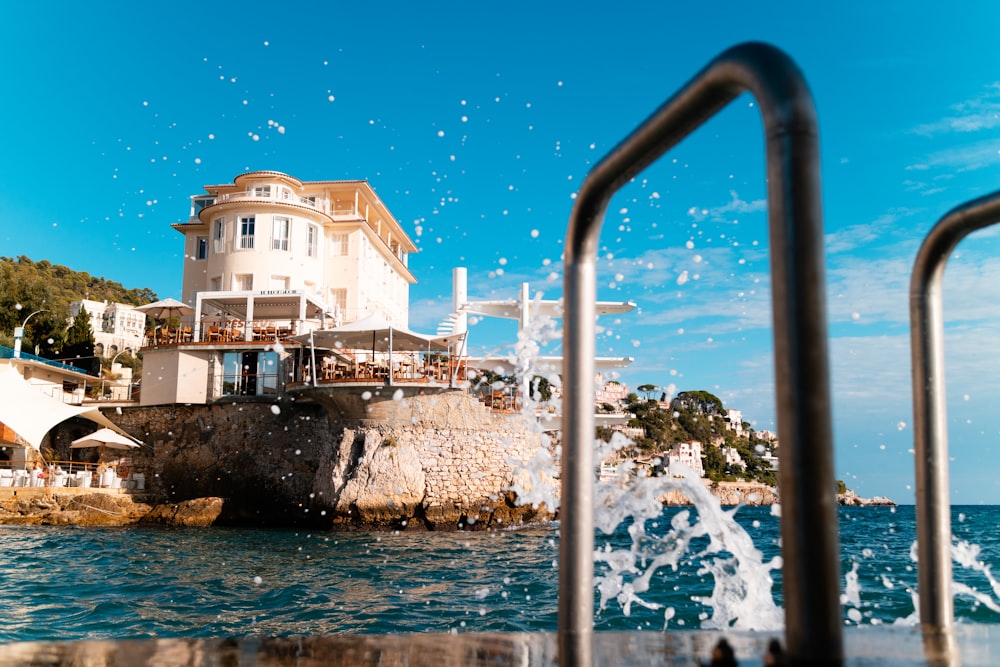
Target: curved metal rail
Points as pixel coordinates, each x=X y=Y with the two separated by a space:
x=930 y=428
x=810 y=541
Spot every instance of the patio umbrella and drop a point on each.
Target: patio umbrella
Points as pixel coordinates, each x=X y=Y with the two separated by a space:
x=164 y=309
x=105 y=438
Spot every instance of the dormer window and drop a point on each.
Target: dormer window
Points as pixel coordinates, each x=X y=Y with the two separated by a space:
x=199 y=203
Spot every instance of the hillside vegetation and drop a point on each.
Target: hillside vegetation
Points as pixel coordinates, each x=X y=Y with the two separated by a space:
x=700 y=416
x=27 y=286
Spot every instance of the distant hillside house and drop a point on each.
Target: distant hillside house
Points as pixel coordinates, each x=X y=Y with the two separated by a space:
x=117 y=327
x=734 y=421
x=611 y=392
x=733 y=458
x=268 y=257
x=686 y=453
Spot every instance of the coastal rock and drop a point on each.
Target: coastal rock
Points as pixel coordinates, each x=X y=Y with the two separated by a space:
x=851 y=499
x=198 y=513
x=381 y=484
x=434 y=461
x=92 y=509
x=730 y=494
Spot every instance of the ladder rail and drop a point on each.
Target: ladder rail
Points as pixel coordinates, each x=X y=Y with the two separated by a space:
x=930 y=428
x=810 y=538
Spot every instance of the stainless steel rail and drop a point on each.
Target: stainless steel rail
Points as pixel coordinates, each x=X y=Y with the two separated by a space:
x=930 y=429
x=810 y=540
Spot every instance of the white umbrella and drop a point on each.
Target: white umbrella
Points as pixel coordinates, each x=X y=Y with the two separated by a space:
x=105 y=437
x=164 y=309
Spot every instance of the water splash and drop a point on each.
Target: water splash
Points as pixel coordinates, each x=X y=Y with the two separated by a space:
x=742 y=595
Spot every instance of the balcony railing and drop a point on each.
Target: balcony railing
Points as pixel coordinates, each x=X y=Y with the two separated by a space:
x=309 y=202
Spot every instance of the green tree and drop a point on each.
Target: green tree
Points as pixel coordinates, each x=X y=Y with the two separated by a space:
x=714 y=462
x=701 y=402
x=79 y=337
x=648 y=389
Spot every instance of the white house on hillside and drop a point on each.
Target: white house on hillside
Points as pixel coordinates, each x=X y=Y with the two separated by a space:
x=117 y=327
x=686 y=453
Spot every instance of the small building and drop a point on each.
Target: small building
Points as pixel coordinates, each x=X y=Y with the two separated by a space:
x=688 y=454
x=733 y=458
x=117 y=327
x=611 y=392
x=734 y=421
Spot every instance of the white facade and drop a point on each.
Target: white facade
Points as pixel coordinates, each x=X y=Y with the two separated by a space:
x=117 y=327
x=612 y=392
x=733 y=457
x=686 y=453
x=734 y=421
x=268 y=232
x=266 y=258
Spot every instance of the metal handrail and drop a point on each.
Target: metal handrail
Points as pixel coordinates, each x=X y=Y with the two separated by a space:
x=930 y=428
x=810 y=541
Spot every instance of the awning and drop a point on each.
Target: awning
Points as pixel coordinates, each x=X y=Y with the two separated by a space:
x=31 y=414
x=373 y=333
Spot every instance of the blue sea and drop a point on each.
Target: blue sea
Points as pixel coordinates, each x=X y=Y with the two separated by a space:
x=59 y=583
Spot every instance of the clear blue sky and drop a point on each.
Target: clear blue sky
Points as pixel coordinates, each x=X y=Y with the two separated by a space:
x=476 y=124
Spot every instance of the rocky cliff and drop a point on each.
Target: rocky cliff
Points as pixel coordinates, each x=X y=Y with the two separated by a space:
x=420 y=461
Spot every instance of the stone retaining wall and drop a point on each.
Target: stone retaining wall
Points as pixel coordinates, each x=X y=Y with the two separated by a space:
x=433 y=461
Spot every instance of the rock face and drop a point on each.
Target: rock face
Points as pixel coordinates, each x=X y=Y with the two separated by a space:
x=435 y=461
x=730 y=494
x=199 y=512
x=852 y=499
x=92 y=509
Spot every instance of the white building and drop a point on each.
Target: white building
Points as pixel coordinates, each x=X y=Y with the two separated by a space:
x=270 y=233
x=686 y=453
x=611 y=392
x=268 y=257
x=734 y=421
x=117 y=327
x=733 y=458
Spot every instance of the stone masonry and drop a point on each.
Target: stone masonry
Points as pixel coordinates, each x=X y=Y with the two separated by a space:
x=434 y=461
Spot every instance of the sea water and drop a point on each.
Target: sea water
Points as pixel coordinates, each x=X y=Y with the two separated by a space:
x=64 y=583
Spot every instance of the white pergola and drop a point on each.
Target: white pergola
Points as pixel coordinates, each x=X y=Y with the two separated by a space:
x=291 y=305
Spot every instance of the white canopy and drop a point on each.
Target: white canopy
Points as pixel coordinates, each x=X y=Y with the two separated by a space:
x=372 y=333
x=104 y=437
x=31 y=414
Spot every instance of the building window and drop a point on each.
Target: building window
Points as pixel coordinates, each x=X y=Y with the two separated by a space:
x=250 y=373
x=312 y=236
x=200 y=203
x=338 y=245
x=338 y=302
x=200 y=247
x=246 y=232
x=279 y=239
x=280 y=282
x=219 y=235
x=262 y=191
x=243 y=282
x=215 y=284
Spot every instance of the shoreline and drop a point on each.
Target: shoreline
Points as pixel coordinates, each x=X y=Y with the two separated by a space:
x=93 y=508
